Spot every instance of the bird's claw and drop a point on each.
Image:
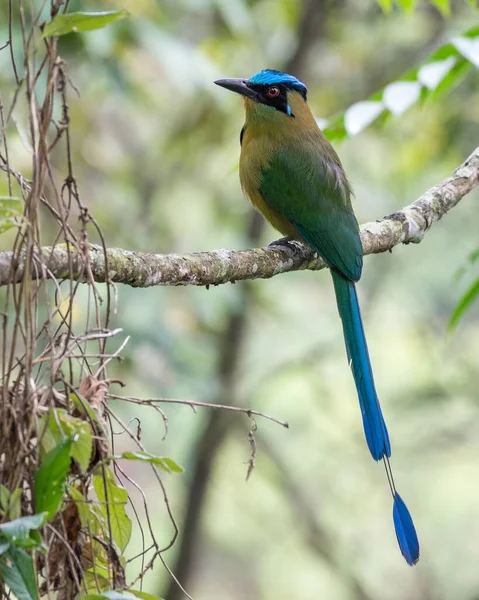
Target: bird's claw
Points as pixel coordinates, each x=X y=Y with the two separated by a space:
x=284 y=241
x=287 y=242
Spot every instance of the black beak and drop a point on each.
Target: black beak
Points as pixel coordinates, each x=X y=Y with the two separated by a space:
x=240 y=86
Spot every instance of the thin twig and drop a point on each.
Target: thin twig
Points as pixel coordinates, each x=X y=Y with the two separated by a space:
x=252 y=443
x=193 y=404
x=110 y=357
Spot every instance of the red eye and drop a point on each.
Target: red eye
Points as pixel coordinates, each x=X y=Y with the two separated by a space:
x=273 y=91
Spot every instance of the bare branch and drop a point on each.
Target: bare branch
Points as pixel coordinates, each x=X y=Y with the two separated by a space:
x=139 y=269
x=193 y=404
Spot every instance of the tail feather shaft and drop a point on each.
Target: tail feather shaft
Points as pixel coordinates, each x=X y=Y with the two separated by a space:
x=374 y=426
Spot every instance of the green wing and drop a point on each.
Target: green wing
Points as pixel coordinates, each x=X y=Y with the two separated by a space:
x=314 y=195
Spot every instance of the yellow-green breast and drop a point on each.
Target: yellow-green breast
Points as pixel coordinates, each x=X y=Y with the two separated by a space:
x=262 y=137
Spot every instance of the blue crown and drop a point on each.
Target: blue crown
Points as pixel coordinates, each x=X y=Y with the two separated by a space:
x=272 y=77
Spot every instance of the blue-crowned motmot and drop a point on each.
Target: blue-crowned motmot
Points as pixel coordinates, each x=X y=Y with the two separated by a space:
x=294 y=177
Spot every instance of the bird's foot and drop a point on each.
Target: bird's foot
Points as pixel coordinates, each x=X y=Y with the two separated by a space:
x=287 y=242
x=284 y=241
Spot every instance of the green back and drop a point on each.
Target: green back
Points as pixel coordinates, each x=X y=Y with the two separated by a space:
x=313 y=193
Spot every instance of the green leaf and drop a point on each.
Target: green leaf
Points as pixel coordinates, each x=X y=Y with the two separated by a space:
x=82 y=21
x=4 y=497
x=407 y=5
x=15 y=504
x=4 y=546
x=440 y=73
x=97 y=577
x=144 y=595
x=86 y=410
x=453 y=78
x=93 y=520
x=361 y=114
x=82 y=446
x=474 y=255
x=90 y=514
x=109 y=491
x=469 y=48
x=21 y=532
x=444 y=6
x=16 y=571
x=10 y=504
x=464 y=303
x=84 y=407
x=9 y=209
x=60 y=425
x=51 y=477
x=165 y=463
x=385 y=5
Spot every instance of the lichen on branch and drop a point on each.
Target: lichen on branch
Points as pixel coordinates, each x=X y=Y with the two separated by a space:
x=140 y=269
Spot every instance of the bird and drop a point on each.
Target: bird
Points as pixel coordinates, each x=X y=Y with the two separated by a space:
x=293 y=176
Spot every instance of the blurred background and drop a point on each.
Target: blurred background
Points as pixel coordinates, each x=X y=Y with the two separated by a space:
x=155 y=149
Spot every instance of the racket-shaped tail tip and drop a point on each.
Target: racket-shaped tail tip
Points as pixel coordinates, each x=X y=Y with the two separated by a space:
x=405 y=531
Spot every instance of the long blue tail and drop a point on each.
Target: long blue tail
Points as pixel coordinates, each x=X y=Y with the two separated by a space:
x=375 y=428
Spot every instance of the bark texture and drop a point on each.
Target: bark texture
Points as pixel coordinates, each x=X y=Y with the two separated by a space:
x=141 y=269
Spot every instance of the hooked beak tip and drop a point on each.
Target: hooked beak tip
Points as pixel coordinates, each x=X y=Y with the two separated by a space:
x=240 y=86
x=231 y=83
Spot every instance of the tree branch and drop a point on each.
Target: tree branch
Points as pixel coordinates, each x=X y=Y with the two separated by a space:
x=140 y=269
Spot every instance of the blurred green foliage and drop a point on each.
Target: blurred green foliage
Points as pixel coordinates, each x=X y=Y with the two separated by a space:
x=155 y=153
x=469 y=296
x=444 y=6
